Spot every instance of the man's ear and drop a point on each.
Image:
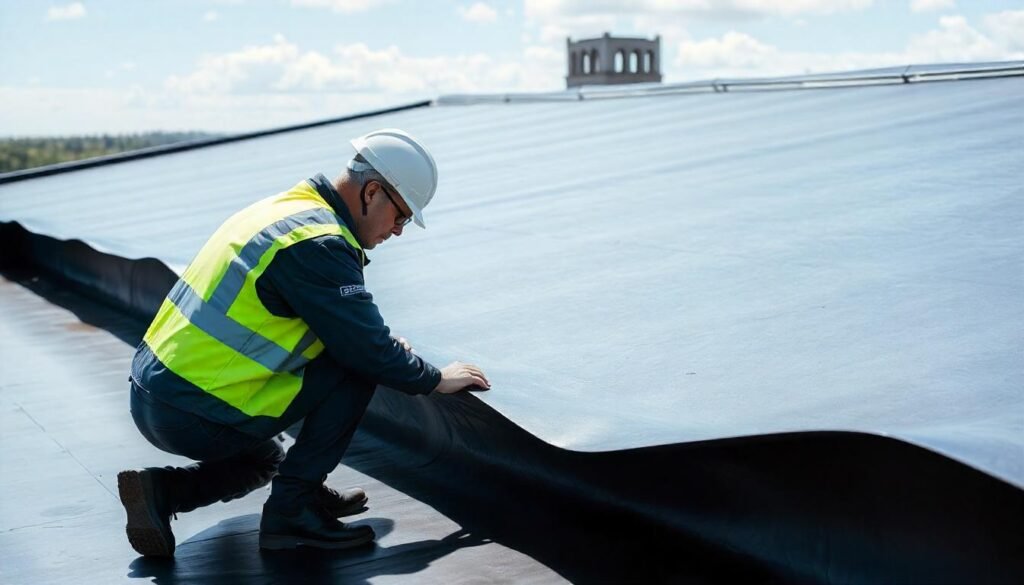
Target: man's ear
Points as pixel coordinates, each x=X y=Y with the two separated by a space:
x=367 y=193
x=371 y=188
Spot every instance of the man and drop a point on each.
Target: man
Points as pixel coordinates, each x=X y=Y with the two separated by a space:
x=271 y=324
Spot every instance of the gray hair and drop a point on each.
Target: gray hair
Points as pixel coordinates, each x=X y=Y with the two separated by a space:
x=361 y=172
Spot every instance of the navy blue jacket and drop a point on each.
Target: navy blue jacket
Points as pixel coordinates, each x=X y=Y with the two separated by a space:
x=320 y=281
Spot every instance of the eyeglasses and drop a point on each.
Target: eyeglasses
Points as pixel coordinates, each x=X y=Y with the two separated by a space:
x=402 y=219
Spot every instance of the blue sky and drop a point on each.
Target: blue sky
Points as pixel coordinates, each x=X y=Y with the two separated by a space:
x=234 y=65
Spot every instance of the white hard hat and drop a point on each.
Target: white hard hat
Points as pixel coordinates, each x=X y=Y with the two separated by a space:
x=405 y=163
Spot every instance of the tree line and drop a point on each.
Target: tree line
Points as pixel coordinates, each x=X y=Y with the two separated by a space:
x=25 y=153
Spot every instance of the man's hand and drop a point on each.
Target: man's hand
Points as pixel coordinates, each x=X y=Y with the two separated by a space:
x=403 y=342
x=457 y=376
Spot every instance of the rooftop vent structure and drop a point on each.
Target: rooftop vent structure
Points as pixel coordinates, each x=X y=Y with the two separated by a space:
x=609 y=60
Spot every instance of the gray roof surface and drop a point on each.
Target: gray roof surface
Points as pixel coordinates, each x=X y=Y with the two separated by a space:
x=67 y=433
x=656 y=270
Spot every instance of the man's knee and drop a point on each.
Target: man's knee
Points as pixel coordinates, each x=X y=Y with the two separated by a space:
x=267 y=455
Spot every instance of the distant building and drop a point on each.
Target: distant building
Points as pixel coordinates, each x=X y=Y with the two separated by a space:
x=609 y=60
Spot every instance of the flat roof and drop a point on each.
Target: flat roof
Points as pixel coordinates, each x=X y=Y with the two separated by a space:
x=671 y=268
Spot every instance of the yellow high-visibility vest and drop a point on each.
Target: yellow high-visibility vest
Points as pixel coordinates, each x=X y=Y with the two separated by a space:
x=212 y=329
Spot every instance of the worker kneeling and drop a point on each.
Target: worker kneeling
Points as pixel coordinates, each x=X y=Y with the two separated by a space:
x=271 y=324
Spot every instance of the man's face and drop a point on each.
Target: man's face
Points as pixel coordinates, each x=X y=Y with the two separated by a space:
x=386 y=215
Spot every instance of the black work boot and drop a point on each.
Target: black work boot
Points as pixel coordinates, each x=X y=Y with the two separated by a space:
x=309 y=524
x=144 y=498
x=351 y=501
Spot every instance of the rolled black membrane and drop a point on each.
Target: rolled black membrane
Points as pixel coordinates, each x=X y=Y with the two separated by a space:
x=797 y=507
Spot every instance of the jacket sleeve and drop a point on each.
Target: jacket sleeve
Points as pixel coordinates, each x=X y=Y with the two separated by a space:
x=322 y=281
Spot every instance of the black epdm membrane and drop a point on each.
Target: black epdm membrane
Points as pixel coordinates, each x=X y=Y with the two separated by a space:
x=815 y=507
x=803 y=507
x=795 y=507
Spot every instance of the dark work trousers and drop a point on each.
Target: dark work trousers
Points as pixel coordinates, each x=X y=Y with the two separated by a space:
x=231 y=463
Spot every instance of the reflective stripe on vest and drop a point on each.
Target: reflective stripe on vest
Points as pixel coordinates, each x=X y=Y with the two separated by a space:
x=213 y=330
x=226 y=330
x=255 y=248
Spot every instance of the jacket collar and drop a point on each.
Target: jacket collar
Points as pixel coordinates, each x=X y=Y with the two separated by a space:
x=326 y=190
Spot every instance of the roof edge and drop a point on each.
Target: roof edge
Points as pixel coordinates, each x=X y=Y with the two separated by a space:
x=904 y=74
x=130 y=155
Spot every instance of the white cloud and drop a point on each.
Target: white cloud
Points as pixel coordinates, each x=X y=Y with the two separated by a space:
x=342 y=6
x=739 y=54
x=931 y=5
x=732 y=50
x=793 y=7
x=554 y=20
x=577 y=27
x=279 y=82
x=1007 y=28
x=546 y=10
x=479 y=13
x=954 y=40
x=273 y=84
x=671 y=31
x=281 y=67
x=72 y=11
x=210 y=16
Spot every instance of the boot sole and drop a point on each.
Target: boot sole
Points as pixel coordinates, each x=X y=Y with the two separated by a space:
x=143 y=530
x=286 y=542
